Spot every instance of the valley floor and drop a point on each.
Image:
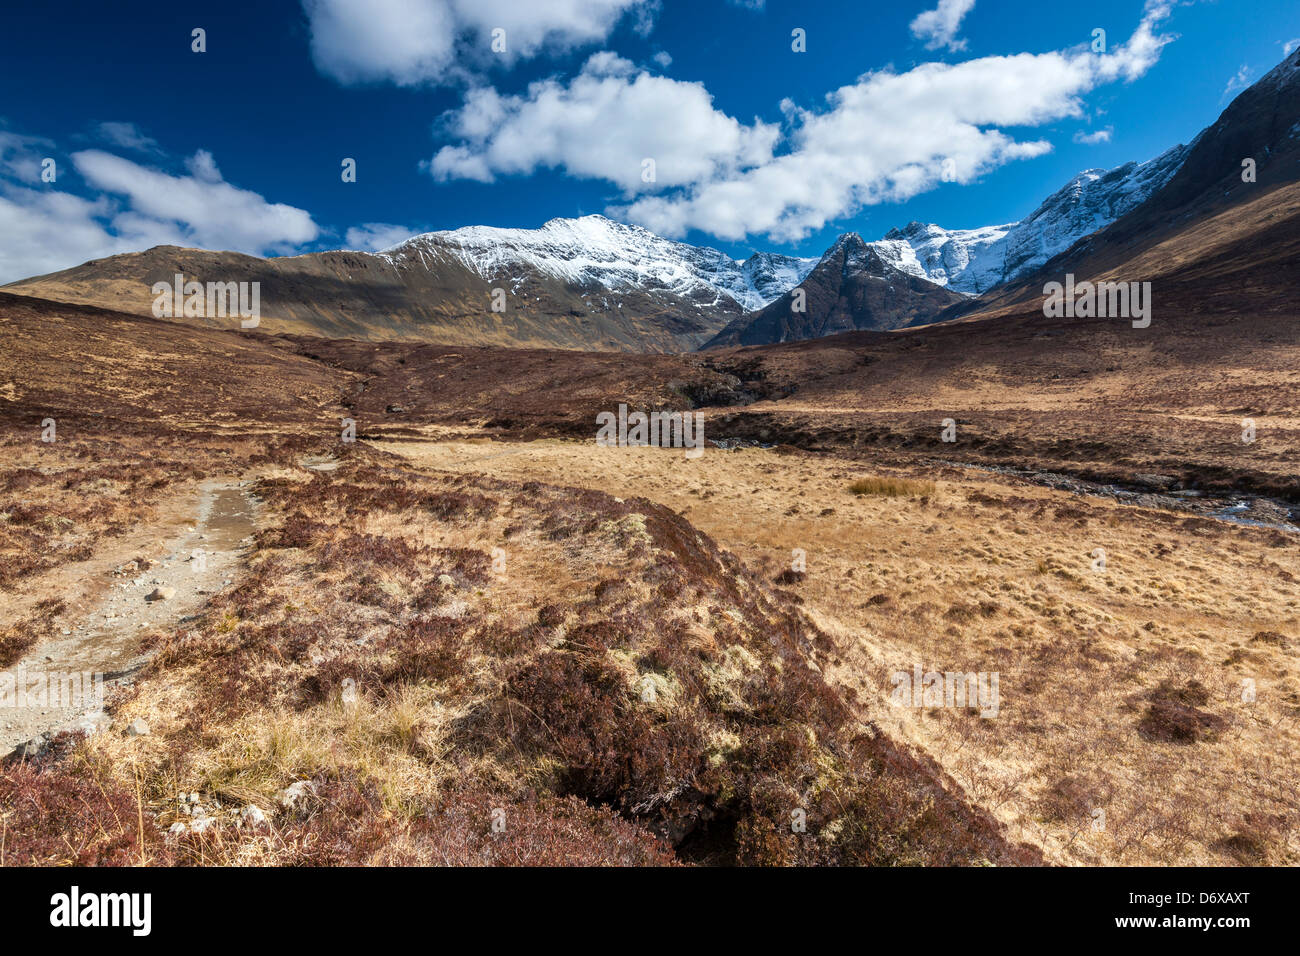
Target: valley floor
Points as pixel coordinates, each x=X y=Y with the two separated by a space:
x=634 y=656
x=422 y=630
x=976 y=575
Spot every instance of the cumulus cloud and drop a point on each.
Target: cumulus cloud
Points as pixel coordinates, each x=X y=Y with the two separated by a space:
x=412 y=42
x=1094 y=138
x=375 y=236
x=45 y=227
x=207 y=210
x=605 y=124
x=885 y=138
x=938 y=27
x=44 y=230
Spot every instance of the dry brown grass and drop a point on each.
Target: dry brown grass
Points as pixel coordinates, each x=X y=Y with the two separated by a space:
x=891 y=487
x=375 y=650
x=1096 y=711
x=770 y=658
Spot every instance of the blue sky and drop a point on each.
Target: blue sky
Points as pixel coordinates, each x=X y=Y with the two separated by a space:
x=756 y=146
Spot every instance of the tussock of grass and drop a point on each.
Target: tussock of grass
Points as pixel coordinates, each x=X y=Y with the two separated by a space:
x=390 y=742
x=891 y=487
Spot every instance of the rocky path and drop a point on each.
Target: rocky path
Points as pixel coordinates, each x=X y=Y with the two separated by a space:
x=66 y=678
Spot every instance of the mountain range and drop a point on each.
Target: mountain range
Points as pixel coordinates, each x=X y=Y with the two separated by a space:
x=1219 y=232
x=595 y=284
x=975 y=260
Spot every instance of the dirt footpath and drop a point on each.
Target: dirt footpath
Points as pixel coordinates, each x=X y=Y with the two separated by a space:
x=66 y=678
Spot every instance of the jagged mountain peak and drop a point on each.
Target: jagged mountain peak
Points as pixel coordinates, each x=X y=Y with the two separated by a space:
x=852 y=286
x=845 y=244
x=849 y=239
x=913 y=229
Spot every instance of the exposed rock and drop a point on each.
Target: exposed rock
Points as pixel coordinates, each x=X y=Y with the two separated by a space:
x=298 y=796
x=34 y=747
x=161 y=594
x=137 y=728
x=92 y=724
x=1157 y=482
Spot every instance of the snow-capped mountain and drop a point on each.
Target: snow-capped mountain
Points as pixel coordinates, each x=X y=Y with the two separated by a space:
x=586 y=283
x=597 y=253
x=972 y=261
x=592 y=283
x=853 y=286
x=914 y=274
x=770 y=275
x=952 y=257
x=599 y=257
x=1093 y=199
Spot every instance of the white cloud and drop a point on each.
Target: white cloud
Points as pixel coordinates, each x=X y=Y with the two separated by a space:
x=207 y=210
x=128 y=136
x=663 y=58
x=938 y=27
x=1290 y=45
x=885 y=138
x=411 y=42
x=44 y=228
x=374 y=236
x=603 y=125
x=21 y=156
x=1239 y=81
x=1094 y=138
x=891 y=136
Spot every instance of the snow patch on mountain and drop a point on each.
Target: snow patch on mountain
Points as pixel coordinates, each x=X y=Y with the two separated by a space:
x=972 y=261
x=951 y=257
x=593 y=251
